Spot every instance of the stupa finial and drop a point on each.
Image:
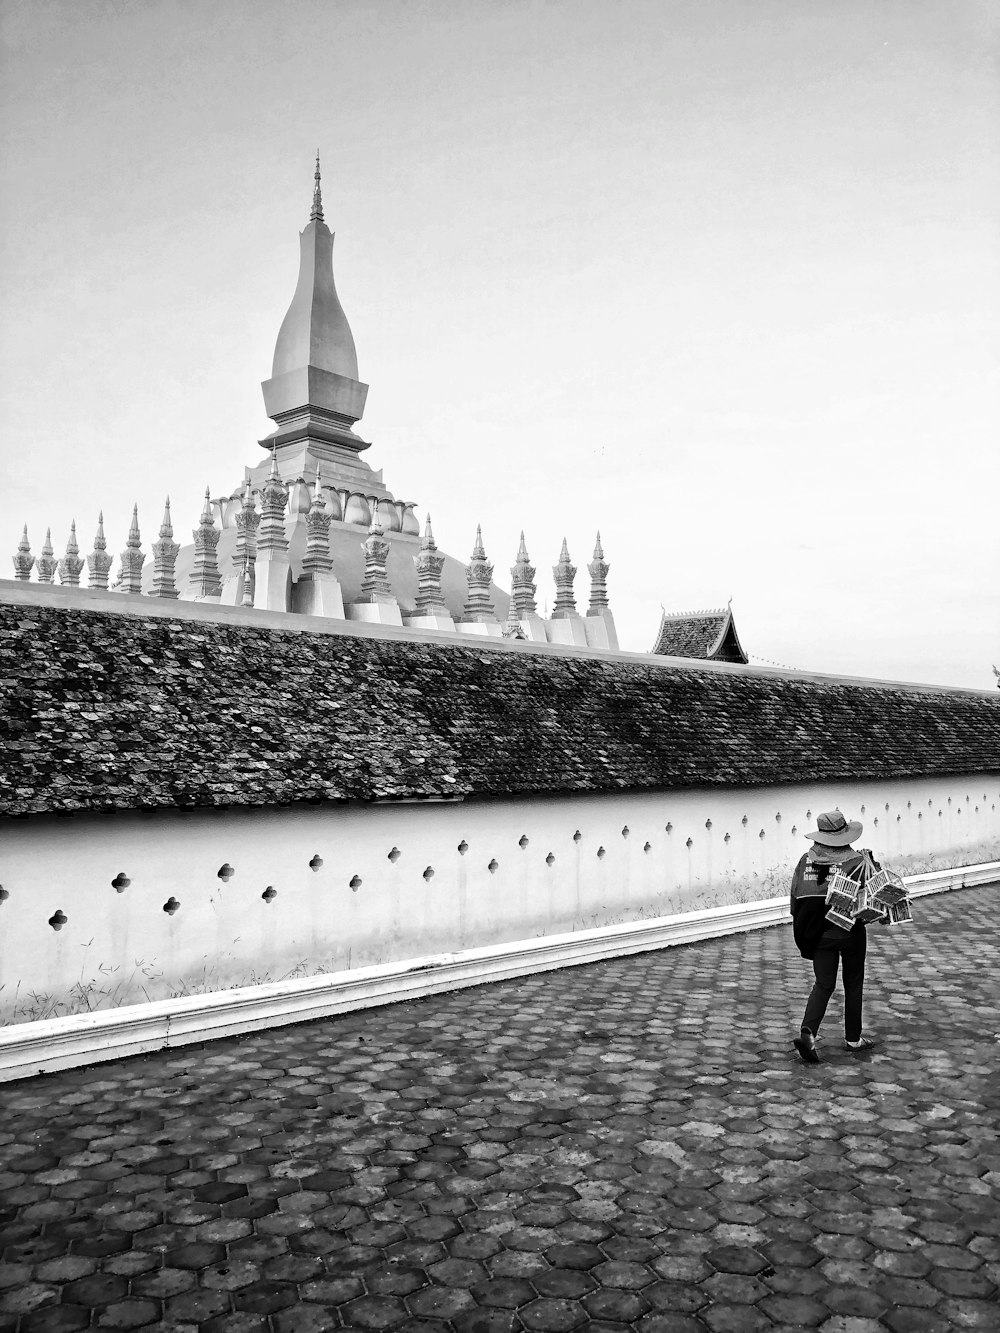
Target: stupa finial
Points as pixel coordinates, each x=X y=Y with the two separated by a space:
x=204 y=578
x=479 y=575
x=132 y=558
x=99 y=562
x=430 y=599
x=46 y=563
x=71 y=565
x=165 y=558
x=317 y=209
x=564 y=573
x=24 y=561
x=598 y=571
x=522 y=586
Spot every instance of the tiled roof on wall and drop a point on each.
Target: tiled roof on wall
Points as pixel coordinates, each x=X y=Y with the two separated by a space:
x=102 y=711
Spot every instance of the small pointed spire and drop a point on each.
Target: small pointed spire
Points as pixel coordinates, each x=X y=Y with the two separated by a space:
x=132 y=558
x=430 y=599
x=245 y=551
x=271 y=538
x=24 y=561
x=564 y=573
x=47 y=562
x=204 y=579
x=375 y=585
x=479 y=575
x=598 y=571
x=522 y=586
x=317 y=209
x=99 y=562
x=71 y=565
x=165 y=558
x=318 y=560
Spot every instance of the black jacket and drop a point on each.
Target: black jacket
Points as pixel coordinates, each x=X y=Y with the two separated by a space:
x=808 y=901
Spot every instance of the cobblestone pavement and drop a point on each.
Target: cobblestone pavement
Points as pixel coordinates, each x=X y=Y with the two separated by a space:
x=632 y=1144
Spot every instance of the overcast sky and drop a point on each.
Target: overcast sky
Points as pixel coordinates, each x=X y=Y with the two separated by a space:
x=718 y=277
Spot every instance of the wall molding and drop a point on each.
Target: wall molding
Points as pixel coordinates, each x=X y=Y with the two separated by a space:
x=27 y=1049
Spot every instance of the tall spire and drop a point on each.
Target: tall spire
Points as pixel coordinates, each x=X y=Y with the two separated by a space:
x=317 y=209
x=99 y=562
x=132 y=557
x=375 y=586
x=273 y=502
x=479 y=575
x=317 y=560
x=47 y=560
x=71 y=565
x=430 y=599
x=598 y=571
x=245 y=554
x=24 y=561
x=314 y=393
x=165 y=558
x=564 y=573
x=204 y=577
x=522 y=586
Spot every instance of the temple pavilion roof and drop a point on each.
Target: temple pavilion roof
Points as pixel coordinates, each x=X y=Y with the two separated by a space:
x=705 y=634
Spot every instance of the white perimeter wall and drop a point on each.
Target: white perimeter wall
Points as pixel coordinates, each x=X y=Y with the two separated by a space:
x=663 y=853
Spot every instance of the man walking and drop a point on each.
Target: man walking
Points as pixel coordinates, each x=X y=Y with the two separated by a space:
x=826 y=944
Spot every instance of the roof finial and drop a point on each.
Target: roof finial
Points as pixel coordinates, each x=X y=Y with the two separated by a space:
x=564 y=573
x=522 y=587
x=317 y=209
x=430 y=599
x=598 y=571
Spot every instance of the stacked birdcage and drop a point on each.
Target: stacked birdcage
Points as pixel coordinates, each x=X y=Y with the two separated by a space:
x=867 y=893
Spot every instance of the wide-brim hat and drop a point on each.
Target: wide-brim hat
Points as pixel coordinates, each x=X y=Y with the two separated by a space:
x=834 y=830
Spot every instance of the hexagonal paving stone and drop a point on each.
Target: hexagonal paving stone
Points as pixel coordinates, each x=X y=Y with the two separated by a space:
x=507 y=1292
x=735 y=1319
x=130 y=1313
x=737 y=1259
x=570 y=1283
x=574 y=1255
x=548 y=1314
x=439 y=1302
x=618 y=1304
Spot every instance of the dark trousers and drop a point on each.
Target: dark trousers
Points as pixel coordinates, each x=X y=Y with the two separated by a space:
x=831 y=950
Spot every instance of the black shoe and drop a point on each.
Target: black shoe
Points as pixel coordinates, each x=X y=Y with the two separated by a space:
x=862 y=1044
x=806 y=1047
